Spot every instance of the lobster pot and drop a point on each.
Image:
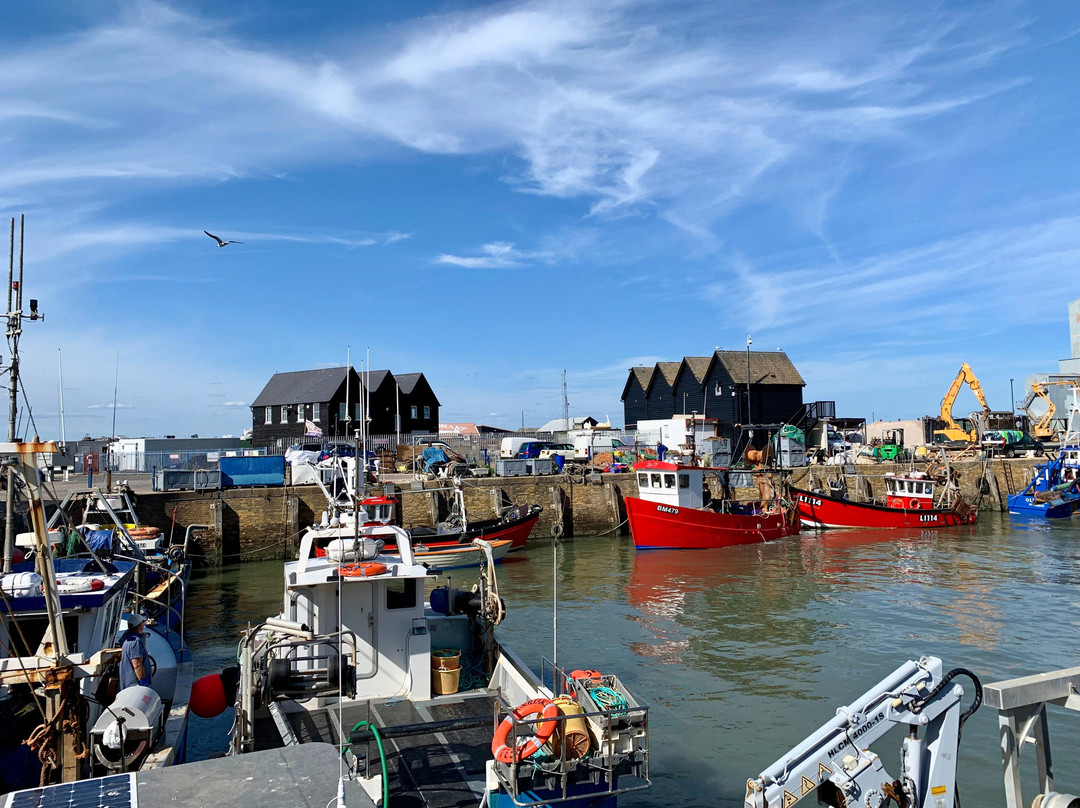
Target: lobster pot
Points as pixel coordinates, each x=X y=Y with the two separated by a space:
x=572 y=732
x=624 y=733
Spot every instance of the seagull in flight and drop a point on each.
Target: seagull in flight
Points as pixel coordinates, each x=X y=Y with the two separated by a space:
x=221 y=243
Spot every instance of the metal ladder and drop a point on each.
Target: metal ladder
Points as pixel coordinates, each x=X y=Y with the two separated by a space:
x=1007 y=476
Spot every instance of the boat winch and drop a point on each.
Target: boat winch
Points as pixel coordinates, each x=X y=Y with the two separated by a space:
x=283 y=679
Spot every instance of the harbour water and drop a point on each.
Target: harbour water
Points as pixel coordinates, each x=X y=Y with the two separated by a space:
x=743 y=652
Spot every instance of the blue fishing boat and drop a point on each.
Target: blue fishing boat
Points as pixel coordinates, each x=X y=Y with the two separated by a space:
x=65 y=715
x=1054 y=493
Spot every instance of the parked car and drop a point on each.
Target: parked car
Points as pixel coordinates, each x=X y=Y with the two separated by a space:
x=533 y=448
x=566 y=450
x=1010 y=442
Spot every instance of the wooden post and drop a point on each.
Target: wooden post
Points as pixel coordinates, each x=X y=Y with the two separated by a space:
x=616 y=501
x=292 y=526
x=217 y=512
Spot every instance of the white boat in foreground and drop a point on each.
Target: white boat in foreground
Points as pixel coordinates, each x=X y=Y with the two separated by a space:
x=424 y=701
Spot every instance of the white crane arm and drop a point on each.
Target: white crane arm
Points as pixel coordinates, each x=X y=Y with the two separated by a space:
x=916 y=695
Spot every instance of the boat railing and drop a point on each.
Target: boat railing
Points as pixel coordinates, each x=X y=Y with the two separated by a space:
x=1022 y=722
x=618 y=729
x=169 y=607
x=187 y=536
x=269 y=654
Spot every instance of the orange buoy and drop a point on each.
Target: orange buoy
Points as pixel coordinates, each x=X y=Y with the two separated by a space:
x=588 y=676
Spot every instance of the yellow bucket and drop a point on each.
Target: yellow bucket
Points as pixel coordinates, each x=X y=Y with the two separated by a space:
x=445 y=671
x=445 y=659
x=574 y=731
x=445 y=682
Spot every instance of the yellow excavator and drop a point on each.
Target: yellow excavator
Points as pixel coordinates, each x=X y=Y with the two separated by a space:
x=1042 y=427
x=965 y=430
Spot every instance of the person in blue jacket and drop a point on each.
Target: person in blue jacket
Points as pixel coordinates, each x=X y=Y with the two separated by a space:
x=134 y=658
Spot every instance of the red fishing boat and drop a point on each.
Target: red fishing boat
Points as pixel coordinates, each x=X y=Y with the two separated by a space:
x=909 y=502
x=512 y=529
x=670 y=511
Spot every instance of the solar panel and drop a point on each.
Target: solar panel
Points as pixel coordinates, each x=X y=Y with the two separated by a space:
x=115 y=791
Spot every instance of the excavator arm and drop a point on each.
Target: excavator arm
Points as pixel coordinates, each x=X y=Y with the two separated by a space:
x=836 y=761
x=953 y=429
x=1041 y=427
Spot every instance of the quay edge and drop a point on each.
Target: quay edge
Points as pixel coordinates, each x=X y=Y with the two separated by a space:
x=253 y=524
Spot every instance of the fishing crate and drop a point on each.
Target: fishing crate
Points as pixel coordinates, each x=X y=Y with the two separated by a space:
x=618 y=730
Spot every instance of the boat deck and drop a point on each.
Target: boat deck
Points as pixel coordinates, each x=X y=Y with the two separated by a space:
x=439 y=769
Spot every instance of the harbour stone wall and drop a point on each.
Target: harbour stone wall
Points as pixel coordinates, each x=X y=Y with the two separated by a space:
x=265 y=523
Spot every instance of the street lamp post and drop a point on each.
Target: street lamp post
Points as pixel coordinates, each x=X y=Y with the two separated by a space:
x=748 y=342
x=1012 y=396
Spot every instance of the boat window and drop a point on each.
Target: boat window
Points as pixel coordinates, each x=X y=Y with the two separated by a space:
x=33 y=630
x=643 y=480
x=669 y=481
x=684 y=481
x=655 y=479
x=401 y=593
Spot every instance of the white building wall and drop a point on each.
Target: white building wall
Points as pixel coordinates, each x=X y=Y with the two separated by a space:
x=129 y=454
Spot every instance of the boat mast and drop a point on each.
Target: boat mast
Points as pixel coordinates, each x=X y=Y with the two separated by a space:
x=565 y=404
x=63 y=431
x=14 y=331
x=348 y=367
x=112 y=440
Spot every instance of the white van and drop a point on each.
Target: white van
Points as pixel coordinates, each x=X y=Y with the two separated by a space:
x=589 y=442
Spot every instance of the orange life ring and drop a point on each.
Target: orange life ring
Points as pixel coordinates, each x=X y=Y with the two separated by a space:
x=499 y=748
x=144 y=532
x=364 y=569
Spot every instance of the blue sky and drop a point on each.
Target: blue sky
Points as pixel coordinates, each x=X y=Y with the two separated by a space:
x=491 y=193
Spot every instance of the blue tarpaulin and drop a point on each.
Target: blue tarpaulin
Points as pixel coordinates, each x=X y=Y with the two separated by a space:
x=100 y=540
x=433 y=455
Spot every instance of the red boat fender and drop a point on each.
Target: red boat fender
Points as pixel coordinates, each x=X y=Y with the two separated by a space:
x=499 y=748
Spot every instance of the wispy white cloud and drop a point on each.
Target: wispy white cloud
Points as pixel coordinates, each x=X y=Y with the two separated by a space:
x=612 y=102
x=975 y=283
x=496 y=255
x=109 y=406
x=235 y=404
